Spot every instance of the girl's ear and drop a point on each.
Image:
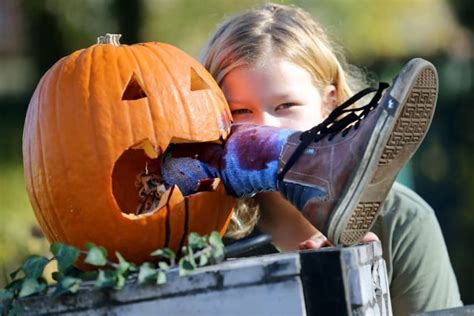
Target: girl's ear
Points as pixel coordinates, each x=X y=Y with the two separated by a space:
x=330 y=96
x=329 y=99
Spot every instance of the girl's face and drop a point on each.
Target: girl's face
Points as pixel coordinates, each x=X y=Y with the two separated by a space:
x=282 y=94
x=278 y=93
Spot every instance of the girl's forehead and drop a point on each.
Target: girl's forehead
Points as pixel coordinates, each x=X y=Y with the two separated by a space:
x=274 y=73
x=273 y=81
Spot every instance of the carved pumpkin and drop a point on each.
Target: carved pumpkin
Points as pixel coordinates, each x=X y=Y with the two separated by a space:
x=102 y=116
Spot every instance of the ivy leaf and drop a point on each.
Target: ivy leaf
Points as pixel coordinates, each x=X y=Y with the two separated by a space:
x=119 y=281
x=66 y=255
x=67 y=284
x=163 y=266
x=190 y=257
x=5 y=295
x=124 y=265
x=34 y=266
x=32 y=286
x=218 y=246
x=161 y=279
x=89 y=245
x=105 y=279
x=215 y=240
x=186 y=266
x=195 y=241
x=147 y=273
x=218 y=254
x=96 y=256
x=203 y=259
x=166 y=253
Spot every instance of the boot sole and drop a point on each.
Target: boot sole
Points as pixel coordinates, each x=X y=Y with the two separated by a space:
x=415 y=89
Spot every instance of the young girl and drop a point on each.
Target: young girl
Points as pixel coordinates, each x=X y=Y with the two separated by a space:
x=277 y=67
x=258 y=55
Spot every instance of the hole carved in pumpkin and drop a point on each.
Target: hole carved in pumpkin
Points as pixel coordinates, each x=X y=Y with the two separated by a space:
x=133 y=90
x=137 y=184
x=197 y=82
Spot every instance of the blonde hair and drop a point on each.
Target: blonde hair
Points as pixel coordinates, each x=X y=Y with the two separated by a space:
x=285 y=31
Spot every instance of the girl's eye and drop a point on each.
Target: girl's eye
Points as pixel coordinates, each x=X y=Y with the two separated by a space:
x=285 y=106
x=241 y=111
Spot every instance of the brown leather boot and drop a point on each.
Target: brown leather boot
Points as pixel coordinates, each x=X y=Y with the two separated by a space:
x=415 y=90
x=342 y=196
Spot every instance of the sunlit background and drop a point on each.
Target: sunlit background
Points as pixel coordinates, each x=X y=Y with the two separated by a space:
x=377 y=35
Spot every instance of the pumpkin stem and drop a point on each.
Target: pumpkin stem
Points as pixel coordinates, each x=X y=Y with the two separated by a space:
x=109 y=39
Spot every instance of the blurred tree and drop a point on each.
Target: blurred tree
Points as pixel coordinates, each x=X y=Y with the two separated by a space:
x=45 y=37
x=454 y=190
x=464 y=11
x=129 y=17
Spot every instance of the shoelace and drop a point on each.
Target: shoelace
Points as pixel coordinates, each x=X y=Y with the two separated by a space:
x=331 y=126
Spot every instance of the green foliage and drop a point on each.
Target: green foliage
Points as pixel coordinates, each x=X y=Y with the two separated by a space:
x=66 y=284
x=147 y=273
x=31 y=286
x=206 y=250
x=65 y=255
x=105 y=279
x=165 y=253
x=124 y=265
x=34 y=266
x=96 y=256
x=29 y=279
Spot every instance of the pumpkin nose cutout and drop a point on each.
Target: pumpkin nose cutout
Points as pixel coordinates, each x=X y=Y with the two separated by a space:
x=134 y=90
x=197 y=83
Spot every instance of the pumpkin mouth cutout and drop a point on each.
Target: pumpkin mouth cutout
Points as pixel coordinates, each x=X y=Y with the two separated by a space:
x=137 y=184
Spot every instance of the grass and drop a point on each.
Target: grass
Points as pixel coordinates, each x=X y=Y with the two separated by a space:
x=17 y=221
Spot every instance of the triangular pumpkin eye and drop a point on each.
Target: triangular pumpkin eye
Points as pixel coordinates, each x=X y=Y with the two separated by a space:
x=133 y=91
x=197 y=83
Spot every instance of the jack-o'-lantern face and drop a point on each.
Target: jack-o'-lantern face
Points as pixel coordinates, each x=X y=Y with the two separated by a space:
x=94 y=133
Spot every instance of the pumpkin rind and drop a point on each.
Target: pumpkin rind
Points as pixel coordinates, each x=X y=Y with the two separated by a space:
x=77 y=127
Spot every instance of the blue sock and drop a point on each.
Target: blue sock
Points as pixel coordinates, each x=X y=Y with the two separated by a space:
x=247 y=163
x=185 y=165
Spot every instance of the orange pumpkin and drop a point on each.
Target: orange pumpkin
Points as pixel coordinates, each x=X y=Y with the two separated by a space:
x=100 y=117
